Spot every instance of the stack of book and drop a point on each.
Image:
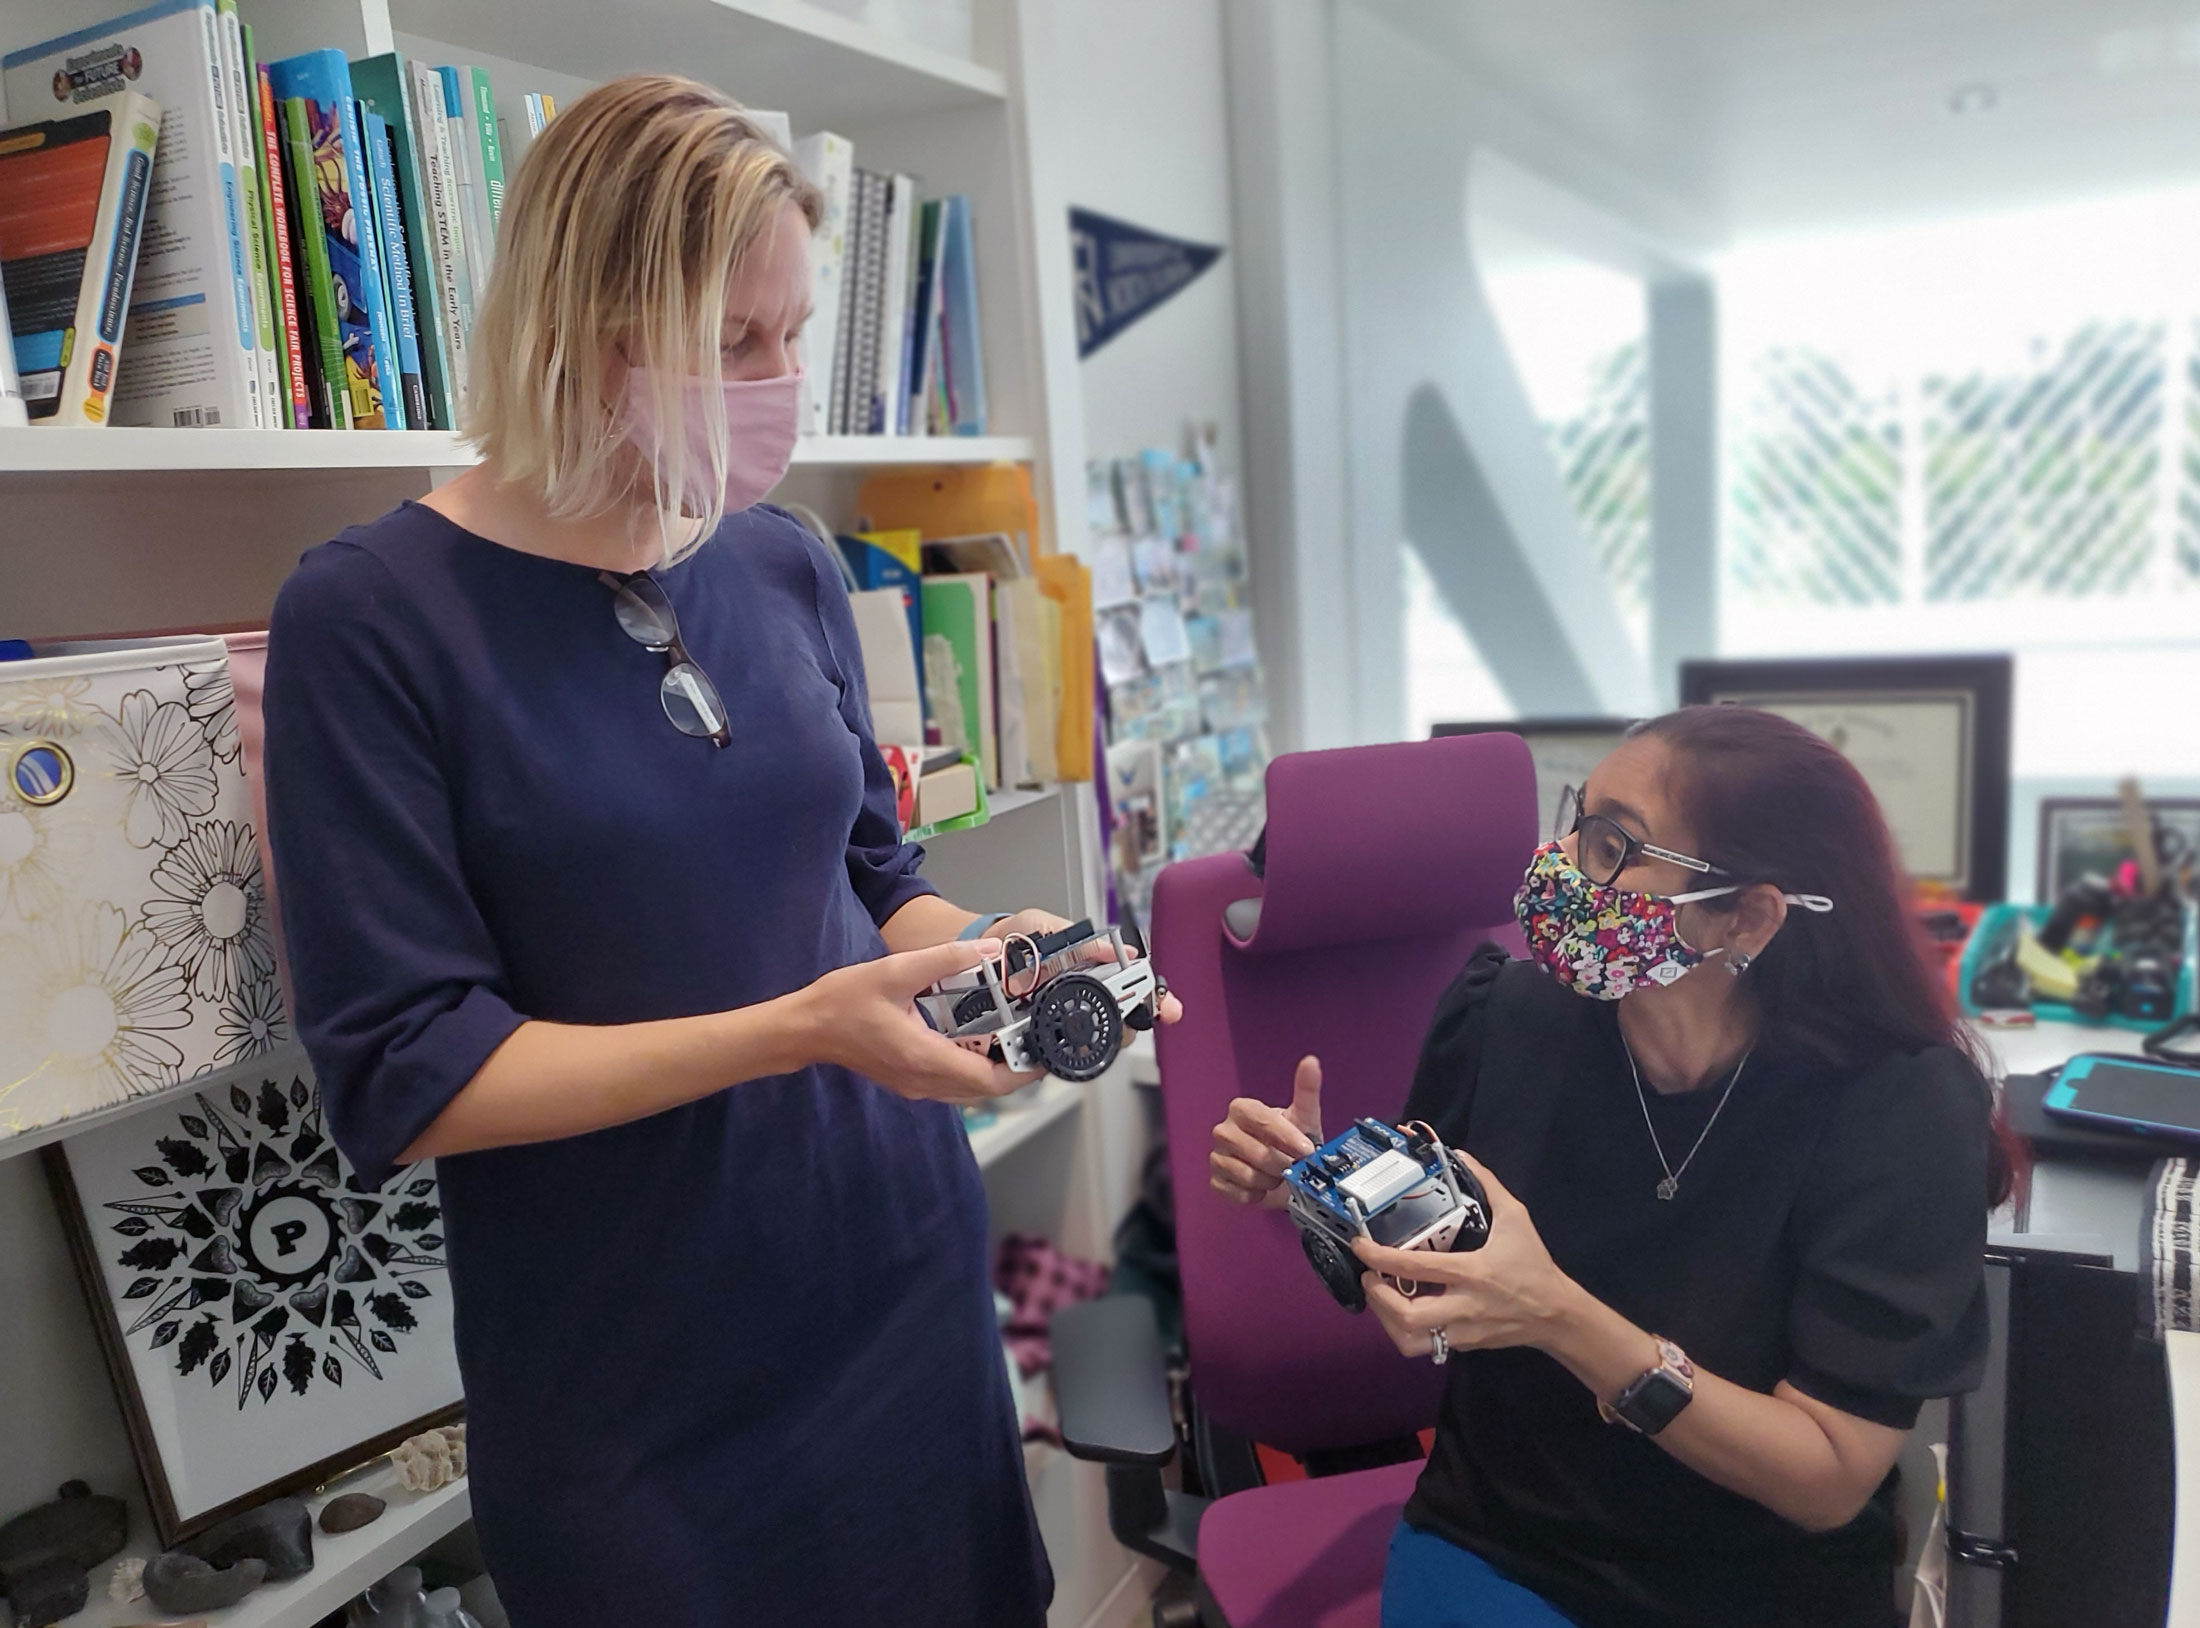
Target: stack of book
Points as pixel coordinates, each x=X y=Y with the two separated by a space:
x=316 y=233
x=893 y=346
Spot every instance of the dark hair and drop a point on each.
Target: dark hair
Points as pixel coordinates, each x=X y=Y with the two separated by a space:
x=1771 y=802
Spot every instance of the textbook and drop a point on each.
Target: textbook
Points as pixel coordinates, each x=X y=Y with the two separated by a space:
x=962 y=356
x=317 y=85
x=384 y=86
x=958 y=666
x=396 y=263
x=320 y=323
x=72 y=203
x=242 y=104
x=453 y=278
x=275 y=206
x=889 y=392
x=828 y=161
x=192 y=355
x=472 y=215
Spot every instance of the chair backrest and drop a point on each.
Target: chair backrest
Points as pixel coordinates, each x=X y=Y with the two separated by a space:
x=1384 y=867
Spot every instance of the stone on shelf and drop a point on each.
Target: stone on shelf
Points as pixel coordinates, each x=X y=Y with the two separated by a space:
x=349 y=1511
x=184 y=1585
x=45 y=1591
x=279 y=1532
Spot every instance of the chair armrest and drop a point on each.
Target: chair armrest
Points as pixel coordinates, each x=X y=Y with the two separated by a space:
x=1111 y=1385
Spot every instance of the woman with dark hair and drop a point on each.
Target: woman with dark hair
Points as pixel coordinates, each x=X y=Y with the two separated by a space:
x=1740 y=1154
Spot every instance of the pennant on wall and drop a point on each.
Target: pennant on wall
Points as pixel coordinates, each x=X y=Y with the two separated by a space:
x=1124 y=271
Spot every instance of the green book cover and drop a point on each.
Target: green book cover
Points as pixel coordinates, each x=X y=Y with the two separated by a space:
x=958 y=665
x=492 y=150
x=258 y=251
x=320 y=286
x=274 y=270
x=383 y=85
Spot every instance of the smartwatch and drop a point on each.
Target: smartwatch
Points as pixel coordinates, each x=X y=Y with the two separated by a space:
x=1655 y=1399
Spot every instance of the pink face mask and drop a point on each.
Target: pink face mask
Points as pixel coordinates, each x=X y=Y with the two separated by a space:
x=760 y=430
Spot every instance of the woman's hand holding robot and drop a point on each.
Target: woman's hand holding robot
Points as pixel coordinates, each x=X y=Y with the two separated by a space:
x=1257 y=1142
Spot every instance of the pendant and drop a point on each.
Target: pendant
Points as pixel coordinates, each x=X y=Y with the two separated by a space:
x=1668 y=1187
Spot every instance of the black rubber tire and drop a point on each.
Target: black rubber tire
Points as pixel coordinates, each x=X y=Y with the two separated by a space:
x=1139 y=1017
x=1469 y=1236
x=1338 y=1270
x=1076 y=1027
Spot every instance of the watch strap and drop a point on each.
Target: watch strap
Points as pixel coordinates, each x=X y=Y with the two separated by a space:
x=1655 y=1398
x=983 y=924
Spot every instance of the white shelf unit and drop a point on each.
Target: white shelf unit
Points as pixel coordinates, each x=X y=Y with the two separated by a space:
x=119 y=530
x=117 y=451
x=343 y=1565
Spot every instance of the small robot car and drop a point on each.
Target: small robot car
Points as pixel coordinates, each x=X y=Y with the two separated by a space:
x=1049 y=1003
x=1402 y=1188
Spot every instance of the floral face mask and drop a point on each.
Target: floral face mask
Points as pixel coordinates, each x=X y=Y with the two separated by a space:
x=1602 y=941
x=1599 y=940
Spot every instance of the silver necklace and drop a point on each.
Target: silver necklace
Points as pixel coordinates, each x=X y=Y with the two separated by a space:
x=1672 y=1183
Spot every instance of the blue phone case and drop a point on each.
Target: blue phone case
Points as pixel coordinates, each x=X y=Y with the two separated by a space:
x=2063 y=1098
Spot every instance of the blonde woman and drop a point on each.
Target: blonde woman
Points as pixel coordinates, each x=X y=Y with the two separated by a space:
x=594 y=894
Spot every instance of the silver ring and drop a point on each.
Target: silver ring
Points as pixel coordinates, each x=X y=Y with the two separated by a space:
x=1439 y=1348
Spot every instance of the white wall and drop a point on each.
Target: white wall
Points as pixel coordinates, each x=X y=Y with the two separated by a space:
x=1142 y=133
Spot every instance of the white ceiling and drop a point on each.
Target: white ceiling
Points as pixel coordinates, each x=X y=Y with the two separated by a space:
x=1765 y=117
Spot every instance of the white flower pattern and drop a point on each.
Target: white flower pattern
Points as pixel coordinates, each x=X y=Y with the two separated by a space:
x=102 y=1003
x=52 y=708
x=211 y=914
x=252 y=1023
x=167 y=769
x=211 y=698
x=42 y=855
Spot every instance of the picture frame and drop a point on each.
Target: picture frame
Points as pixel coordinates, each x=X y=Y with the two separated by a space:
x=1930 y=734
x=1564 y=750
x=2078 y=835
x=268 y=1319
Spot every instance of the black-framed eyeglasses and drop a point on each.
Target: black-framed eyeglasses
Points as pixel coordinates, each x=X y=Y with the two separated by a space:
x=1607 y=847
x=691 y=701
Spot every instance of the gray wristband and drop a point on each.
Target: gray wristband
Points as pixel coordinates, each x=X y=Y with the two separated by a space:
x=983 y=925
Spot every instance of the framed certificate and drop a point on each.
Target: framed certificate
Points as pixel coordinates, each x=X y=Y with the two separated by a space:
x=1564 y=751
x=1930 y=734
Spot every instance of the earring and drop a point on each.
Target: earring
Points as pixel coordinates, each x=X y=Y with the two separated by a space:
x=1738 y=962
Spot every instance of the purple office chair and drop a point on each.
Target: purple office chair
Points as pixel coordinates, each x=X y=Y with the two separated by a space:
x=1381 y=869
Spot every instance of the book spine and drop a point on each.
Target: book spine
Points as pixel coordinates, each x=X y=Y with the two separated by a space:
x=275 y=229
x=455 y=294
x=307 y=187
x=465 y=167
x=397 y=258
x=247 y=148
x=223 y=130
x=373 y=267
x=384 y=87
x=844 y=342
x=886 y=391
x=110 y=261
x=923 y=322
x=963 y=348
x=492 y=148
x=870 y=296
x=827 y=159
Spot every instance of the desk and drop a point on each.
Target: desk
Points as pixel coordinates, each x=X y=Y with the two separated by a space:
x=2088 y=1204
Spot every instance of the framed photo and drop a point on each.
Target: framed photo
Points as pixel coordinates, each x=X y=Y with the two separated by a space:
x=2082 y=836
x=1564 y=751
x=268 y=1318
x=1930 y=734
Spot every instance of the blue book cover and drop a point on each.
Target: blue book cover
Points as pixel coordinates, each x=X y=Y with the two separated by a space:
x=396 y=264
x=374 y=273
x=320 y=82
x=965 y=357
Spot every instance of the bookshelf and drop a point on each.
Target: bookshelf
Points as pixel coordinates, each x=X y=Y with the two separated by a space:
x=129 y=529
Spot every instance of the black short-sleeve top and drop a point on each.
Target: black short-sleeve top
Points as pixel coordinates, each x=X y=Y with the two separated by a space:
x=1828 y=1232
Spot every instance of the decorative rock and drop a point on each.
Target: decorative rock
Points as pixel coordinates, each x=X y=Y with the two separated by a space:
x=78 y=1527
x=181 y=1584
x=279 y=1532
x=128 y=1582
x=350 y=1511
x=432 y=1459
x=45 y=1591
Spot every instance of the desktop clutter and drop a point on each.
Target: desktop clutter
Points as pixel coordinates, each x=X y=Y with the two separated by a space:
x=49 y=1553
x=2114 y=949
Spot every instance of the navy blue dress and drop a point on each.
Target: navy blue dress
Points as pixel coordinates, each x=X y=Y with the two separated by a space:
x=735 y=1362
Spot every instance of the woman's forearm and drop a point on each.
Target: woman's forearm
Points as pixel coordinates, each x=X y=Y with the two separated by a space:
x=551 y=1080
x=1782 y=1450
x=923 y=922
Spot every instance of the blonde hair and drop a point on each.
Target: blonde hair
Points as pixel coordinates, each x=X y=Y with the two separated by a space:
x=630 y=217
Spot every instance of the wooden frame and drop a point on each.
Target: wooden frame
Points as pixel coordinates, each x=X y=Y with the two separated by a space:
x=2052 y=808
x=1980 y=685
x=1599 y=734
x=174 y=1517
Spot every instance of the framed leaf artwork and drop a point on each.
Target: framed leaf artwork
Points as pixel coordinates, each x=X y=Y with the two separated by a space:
x=269 y=1319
